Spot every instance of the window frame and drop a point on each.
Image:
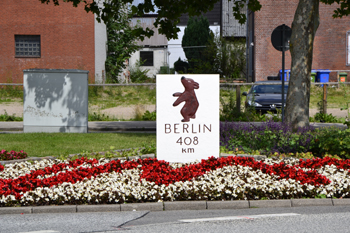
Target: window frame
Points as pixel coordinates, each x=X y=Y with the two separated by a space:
x=147 y=63
x=31 y=41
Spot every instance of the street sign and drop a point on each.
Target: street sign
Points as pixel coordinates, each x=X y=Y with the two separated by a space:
x=280 y=40
x=280 y=37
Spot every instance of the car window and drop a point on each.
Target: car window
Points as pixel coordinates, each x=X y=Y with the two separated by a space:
x=264 y=89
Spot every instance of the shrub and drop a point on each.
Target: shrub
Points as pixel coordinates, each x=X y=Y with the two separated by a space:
x=6 y=117
x=332 y=141
x=267 y=138
x=149 y=116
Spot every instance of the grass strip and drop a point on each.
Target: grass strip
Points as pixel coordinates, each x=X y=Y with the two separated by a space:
x=55 y=144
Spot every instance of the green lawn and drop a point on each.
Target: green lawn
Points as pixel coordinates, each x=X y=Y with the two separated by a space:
x=46 y=144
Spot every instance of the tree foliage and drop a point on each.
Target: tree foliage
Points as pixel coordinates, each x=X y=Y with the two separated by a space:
x=196 y=37
x=223 y=56
x=168 y=11
x=121 y=43
x=181 y=66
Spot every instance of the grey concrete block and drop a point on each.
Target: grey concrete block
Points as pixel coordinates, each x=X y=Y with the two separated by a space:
x=148 y=156
x=269 y=203
x=130 y=158
x=152 y=206
x=15 y=210
x=226 y=155
x=185 y=205
x=312 y=202
x=55 y=209
x=256 y=157
x=341 y=202
x=98 y=208
x=211 y=205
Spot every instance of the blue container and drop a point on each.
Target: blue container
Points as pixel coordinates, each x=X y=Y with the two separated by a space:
x=285 y=75
x=322 y=76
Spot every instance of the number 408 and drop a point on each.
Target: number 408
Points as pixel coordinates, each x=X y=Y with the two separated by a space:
x=188 y=141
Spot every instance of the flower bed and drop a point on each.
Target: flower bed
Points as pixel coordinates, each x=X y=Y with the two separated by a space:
x=6 y=155
x=103 y=181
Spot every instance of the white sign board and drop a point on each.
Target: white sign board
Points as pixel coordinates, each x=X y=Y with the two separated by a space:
x=188 y=123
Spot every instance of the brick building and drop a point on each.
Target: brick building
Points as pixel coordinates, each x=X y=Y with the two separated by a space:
x=44 y=36
x=331 y=44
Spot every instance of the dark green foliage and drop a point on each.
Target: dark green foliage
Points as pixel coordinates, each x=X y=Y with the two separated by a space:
x=181 y=66
x=196 y=37
x=224 y=57
x=332 y=141
x=267 y=138
x=121 y=43
x=6 y=117
x=138 y=74
x=169 y=12
x=149 y=116
x=325 y=118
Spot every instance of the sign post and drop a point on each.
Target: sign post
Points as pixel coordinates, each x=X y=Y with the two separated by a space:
x=280 y=40
x=188 y=123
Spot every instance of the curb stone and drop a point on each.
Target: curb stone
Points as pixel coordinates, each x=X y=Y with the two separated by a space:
x=341 y=202
x=153 y=206
x=220 y=205
x=312 y=202
x=269 y=203
x=185 y=205
x=54 y=209
x=98 y=208
x=176 y=205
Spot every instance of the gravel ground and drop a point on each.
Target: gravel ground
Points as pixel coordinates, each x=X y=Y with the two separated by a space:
x=128 y=112
x=120 y=112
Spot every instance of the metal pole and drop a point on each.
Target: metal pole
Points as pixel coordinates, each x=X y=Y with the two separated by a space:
x=238 y=98
x=283 y=73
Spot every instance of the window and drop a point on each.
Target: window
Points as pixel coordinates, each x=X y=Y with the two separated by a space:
x=348 y=48
x=146 y=58
x=27 y=46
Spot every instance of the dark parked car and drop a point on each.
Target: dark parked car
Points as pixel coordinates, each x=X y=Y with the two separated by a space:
x=266 y=97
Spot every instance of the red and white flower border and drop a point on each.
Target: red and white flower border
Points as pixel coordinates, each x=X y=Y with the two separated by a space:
x=92 y=181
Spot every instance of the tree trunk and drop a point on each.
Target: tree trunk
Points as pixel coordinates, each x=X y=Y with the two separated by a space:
x=304 y=26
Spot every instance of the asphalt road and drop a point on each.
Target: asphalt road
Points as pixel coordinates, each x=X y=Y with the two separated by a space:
x=297 y=219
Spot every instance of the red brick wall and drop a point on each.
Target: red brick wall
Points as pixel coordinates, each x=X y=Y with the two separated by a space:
x=66 y=33
x=329 y=45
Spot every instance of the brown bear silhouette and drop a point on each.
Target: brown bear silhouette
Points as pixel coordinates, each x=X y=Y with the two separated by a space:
x=189 y=96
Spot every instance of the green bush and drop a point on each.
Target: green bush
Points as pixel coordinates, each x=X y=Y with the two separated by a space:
x=326 y=118
x=149 y=116
x=6 y=117
x=332 y=141
x=139 y=75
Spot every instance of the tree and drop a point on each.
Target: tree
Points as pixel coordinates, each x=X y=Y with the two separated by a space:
x=223 y=56
x=169 y=12
x=121 y=42
x=196 y=37
x=181 y=66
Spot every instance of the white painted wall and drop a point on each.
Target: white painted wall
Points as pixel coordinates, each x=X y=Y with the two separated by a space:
x=100 y=49
x=159 y=59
